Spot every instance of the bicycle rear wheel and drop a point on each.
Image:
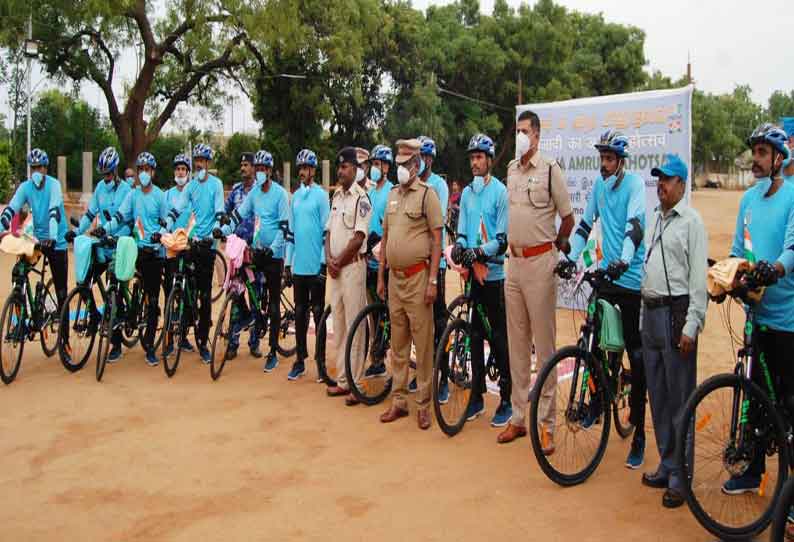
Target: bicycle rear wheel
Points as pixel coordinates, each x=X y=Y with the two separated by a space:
x=132 y=314
x=141 y=320
x=371 y=330
x=324 y=374
x=570 y=431
x=218 y=275
x=620 y=408
x=105 y=334
x=453 y=357
x=77 y=329
x=457 y=308
x=174 y=331
x=12 y=326
x=286 y=331
x=221 y=337
x=714 y=413
x=48 y=334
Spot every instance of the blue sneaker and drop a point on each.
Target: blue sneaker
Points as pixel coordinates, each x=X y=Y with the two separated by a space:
x=185 y=345
x=503 y=414
x=297 y=371
x=271 y=362
x=243 y=323
x=746 y=483
x=412 y=386
x=376 y=370
x=206 y=357
x=443 y=392
x=636 y=455
x=115 y=353
x=151 y=359
x=593 y=416
x=476 y=408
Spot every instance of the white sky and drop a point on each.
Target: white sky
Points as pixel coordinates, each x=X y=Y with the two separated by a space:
x=730 y=42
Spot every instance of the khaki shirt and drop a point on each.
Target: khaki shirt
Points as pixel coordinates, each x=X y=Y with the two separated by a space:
x=350 y=213
x=410 y=218
x=532 y=209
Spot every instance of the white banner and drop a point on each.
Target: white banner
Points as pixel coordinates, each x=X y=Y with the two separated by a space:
x=656 y=123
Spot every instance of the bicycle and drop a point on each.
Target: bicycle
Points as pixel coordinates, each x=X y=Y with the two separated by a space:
x=27 y=312
x=589 y=382
x=730 y=420
x=230 y=316
x=218 y=275
x=453 y=361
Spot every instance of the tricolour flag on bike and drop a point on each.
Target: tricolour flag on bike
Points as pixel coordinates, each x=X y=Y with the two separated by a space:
x=592 y=253
x=748 y=243
x=138 y=230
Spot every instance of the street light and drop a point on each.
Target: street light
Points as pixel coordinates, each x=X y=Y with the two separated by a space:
x=31 y=51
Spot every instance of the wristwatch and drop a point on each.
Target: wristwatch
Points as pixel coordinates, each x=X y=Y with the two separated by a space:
x=434 y=282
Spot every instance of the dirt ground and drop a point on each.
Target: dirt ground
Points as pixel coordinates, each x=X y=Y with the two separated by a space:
x=254 y=457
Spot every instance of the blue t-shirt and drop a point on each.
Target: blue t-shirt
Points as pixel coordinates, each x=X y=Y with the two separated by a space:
x=46 y=206
x=378 y=198
x=205 y=200
x=245 y=229
x=440 y=186
x=271 y=210
x=308 y=214
x=144 y=209
x=622 y=214
x=105 y=202
x=770 y=221
x=172 y=196
x=485 y=206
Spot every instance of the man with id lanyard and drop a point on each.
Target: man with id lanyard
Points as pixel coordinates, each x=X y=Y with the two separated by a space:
x=673 y=314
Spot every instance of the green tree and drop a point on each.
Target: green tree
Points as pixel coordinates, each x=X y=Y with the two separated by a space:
x=780 y=105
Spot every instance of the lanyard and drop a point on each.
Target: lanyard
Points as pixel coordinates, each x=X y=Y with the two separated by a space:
x=657 y=240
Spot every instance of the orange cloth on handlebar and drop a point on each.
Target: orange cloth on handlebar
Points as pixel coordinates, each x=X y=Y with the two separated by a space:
x=175 y=243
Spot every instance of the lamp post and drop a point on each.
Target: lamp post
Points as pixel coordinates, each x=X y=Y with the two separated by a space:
x=31 y=51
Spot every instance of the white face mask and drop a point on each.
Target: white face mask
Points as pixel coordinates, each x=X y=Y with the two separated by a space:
x=145 y=178
x=201 y=174
x=180 y=180
x=522 y=144
x=403 y=174
x=37 y=178
x=359 y=175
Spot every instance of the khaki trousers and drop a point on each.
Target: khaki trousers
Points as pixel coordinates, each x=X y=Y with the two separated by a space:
x=531 y=301
x=348 y=298
x=411 y=320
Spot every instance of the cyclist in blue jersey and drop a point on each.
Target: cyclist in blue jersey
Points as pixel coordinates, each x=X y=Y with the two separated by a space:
x=482 y=237
x=108 y=195
x=268 y=204
x=305 y=261
x=765 y=234
x=144 y=208
x=203 y=196
x=618 y=200
x=172 y=195
x=42 y=194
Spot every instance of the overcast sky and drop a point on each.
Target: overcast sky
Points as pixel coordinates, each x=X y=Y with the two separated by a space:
x=730 y=42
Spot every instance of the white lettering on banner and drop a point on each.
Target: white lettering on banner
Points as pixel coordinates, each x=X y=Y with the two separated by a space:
x=655 y=122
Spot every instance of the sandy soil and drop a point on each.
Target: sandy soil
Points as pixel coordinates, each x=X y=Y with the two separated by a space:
x=253 y=457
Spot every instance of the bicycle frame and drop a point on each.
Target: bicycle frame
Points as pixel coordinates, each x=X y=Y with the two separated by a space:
x=20 y=276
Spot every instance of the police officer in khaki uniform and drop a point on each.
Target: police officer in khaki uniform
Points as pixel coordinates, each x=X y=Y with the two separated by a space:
x=347 y=229
x=537 y=195
x=412 y=226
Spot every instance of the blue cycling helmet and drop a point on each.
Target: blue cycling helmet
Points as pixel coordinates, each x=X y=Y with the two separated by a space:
x=614 y=141
x=306 y=158
x=181 y=160
x=202 y=150
x=108 y=161
x=146 y=159
x=428 y=146
x=769 y=133
x=37 y=157
x=382 y=153
x=482 y=143
x=263 y=158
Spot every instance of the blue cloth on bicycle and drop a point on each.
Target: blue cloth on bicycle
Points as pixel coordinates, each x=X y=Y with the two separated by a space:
x=46 y=206
x=378 y=198
x=770 y=221
x=269 y=203
x=172 y=196
x=149 y=208
x=83 y=253
x=486 y=204
x=205 y=200
x=622 y=213
x=440 y=186
x=308 y=214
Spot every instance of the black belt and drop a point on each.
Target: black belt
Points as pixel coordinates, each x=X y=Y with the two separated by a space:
x=666 y=301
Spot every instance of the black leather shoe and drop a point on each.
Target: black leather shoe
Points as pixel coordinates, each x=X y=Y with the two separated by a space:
x=655 y=480
x=672 y=498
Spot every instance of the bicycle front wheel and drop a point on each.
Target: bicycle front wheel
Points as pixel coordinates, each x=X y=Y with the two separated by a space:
x=132 y=314
x=174 y=331
x=620 y=407
x=77 y=329
x=286 y=331
x=782 y=529
x=734 y=430
x=320 y=344
x=12 y=326
x=105 y=334
x=48 y=334
x=221 y=337
x=569 y=416
x=453 y=359
x=368 y=340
